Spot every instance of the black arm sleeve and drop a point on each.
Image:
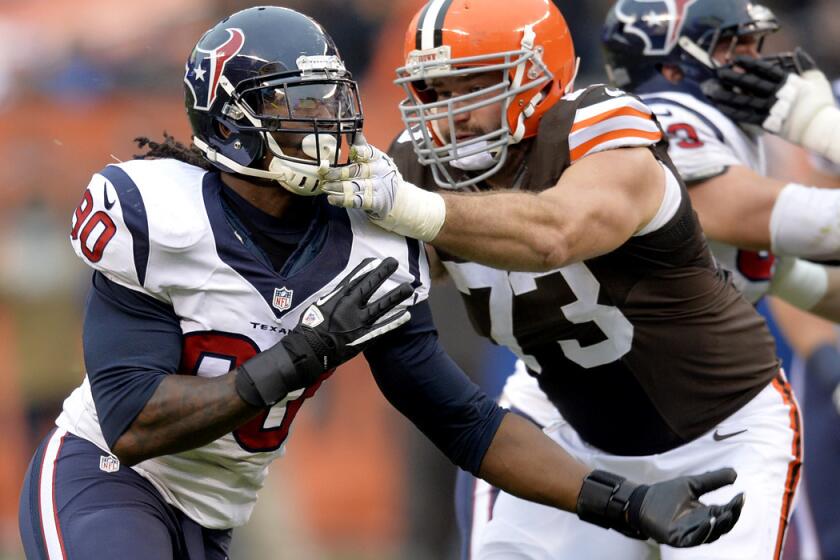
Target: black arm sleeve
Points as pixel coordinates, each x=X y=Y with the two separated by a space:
x=131 y=341
x=424 y=384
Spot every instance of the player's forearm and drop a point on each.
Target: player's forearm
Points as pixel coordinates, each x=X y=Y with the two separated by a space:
x=524 y=462
x=184 y=412
x=513 y=231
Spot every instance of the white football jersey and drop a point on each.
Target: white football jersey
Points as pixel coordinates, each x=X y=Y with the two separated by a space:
x=158 y=227
x=703 y=144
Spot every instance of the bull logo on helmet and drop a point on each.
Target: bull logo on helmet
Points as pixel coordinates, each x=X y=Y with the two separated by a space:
x=206 y=67
x=657 y=22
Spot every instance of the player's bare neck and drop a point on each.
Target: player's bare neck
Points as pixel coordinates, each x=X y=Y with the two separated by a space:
x=273 y=200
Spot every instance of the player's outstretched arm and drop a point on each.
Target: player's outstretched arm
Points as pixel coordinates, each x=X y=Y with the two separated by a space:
x=523 y=461
x=186 y=412
x=750 y=211
x=425 y=385
x=596 y=206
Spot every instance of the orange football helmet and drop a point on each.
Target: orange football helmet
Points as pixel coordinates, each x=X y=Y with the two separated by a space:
x=526 y=41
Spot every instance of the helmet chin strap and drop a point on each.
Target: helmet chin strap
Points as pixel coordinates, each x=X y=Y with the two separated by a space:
x=694 y=50
x=303 y=178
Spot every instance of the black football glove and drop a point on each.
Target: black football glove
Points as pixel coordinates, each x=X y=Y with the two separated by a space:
x=745 y=91
x=668 y=512
x=331 y=331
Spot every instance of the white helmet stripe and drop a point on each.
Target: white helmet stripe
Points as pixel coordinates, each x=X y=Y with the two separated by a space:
x=431 y=23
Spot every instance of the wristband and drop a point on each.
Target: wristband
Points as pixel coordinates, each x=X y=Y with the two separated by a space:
x=268 y=377
x=604 y=500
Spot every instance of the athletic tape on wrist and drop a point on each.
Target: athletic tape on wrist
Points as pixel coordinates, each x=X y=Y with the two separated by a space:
x=416 y=213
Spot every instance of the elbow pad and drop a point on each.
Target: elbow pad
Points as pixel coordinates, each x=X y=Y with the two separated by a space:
x=800 y=283
x=805 y=222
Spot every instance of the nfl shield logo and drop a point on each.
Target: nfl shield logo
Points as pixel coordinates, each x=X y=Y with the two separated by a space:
x=109 y=463
x=282 y=298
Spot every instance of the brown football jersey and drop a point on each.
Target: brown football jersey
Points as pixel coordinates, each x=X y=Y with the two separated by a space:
x=641 y=349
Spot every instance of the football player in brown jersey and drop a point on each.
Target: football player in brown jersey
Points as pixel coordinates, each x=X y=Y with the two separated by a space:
x=573 y=242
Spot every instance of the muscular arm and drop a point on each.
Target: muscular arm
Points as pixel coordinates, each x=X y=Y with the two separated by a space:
x=184 y=412
x=734 y=208
x=597 y=205
x=423 y=383
x=526 y=463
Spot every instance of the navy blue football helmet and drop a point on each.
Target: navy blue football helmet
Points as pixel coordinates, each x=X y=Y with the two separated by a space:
x=639 y=36
x=268 y=96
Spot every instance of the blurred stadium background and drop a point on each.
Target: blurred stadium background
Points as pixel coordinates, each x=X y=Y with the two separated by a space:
x=78 y=81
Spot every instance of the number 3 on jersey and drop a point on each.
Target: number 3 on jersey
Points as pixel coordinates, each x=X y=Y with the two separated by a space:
x=615 y=326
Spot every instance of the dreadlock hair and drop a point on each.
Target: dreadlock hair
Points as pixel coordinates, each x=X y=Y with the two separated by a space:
x=171 y=148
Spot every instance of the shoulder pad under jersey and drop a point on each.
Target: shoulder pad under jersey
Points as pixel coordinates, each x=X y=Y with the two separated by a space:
x=138 y=222
x=606 y=118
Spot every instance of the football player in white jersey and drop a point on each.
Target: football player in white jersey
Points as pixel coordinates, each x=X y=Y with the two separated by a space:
x=589 y=273
x=215 y=264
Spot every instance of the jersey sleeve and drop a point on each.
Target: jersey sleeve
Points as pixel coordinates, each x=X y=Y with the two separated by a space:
x=110 y=229
x=141 y=224
x=697 y=146
x=421 y=381
x=131 y=341
x=606 y=119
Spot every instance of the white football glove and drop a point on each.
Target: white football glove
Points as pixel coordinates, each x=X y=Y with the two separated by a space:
x=373 y=183
x=370 y=182
x=806 y=114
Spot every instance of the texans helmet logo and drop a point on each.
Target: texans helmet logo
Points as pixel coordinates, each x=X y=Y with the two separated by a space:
x=206 y=67
x=657 y=22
